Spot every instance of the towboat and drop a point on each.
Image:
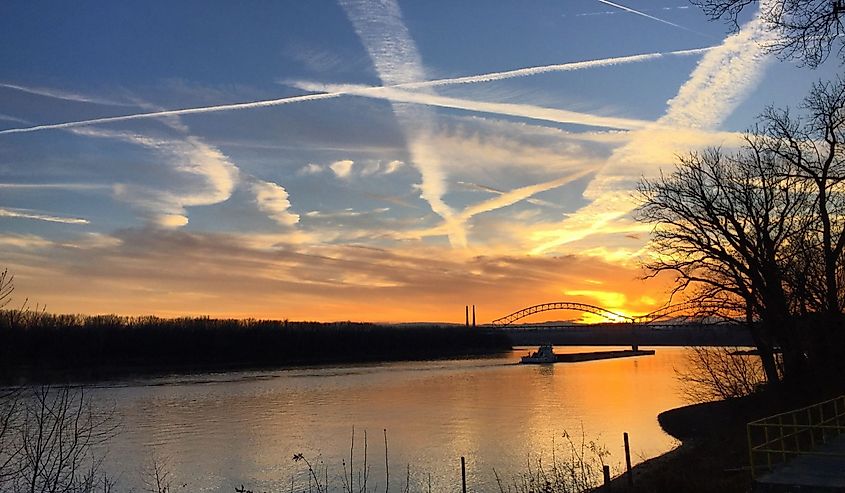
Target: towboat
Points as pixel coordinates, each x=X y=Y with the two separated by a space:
x=543 y=354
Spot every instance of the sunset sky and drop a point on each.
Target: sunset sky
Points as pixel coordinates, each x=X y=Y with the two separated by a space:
x=504 y=180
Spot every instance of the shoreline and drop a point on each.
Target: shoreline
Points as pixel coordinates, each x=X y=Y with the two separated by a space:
x=107 y=374
x=55 y=348
x=713 y=453
x=711 y=456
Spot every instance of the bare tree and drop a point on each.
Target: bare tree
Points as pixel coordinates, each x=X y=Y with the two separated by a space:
x=51 y=446
x=7 y=287
x=765 y=227
x=718 y=373
x=724 y=225
x=808 y=30
x=10 y=447
x=814 y=145
x=156 y=476
x=815 y=148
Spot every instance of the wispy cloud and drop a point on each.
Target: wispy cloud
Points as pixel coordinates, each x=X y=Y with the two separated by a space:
x=10 y=118
x=39 y=216
x=64 y=95
x=211 y=176
x=345 y=213
x=347 y=168
x=342 y=168
x=240 y=276
x=273 y=200
x=24 y=242
x=310 y=169
x=418 y=84
x=393 y=166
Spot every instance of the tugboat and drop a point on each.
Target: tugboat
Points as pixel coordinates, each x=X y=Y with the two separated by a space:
x=543 y=354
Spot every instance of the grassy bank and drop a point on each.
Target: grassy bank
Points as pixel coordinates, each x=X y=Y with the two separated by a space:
x=713 y=456
x=46 y=347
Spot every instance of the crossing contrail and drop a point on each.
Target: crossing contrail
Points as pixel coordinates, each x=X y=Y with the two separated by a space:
x=492 y=76
x=658 y=19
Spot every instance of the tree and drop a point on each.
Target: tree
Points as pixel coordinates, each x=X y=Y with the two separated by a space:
x=808 y=30
x=7 y=287
x=720 y=373
x=51 y=439
x=723 y=225
x=815 y=148
x=764 y=227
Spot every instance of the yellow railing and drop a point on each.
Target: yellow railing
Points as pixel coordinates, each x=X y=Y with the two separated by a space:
x=776 y=439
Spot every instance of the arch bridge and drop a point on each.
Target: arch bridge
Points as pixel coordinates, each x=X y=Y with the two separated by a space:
x=699 y=308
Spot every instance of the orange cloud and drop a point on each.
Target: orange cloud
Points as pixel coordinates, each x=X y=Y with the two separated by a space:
x=174 y=273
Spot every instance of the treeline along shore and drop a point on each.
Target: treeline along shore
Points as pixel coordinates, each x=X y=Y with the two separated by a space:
x=39 y=346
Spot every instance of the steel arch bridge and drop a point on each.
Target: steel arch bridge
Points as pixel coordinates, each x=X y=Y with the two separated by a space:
x=561 y=305
x=661 y=313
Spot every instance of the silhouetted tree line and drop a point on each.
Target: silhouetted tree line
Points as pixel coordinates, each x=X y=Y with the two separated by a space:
x=36 y=344
x=760 y=233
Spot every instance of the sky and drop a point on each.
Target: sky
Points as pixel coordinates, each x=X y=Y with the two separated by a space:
x=357 y=160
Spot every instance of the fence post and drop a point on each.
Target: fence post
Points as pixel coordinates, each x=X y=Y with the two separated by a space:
x=463 y=475
x=628 y=460
x=606 y=470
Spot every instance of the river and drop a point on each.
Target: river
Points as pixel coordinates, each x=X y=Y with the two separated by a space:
x=216 y=431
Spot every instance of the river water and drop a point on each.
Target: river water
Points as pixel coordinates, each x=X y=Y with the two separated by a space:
x=214 y=432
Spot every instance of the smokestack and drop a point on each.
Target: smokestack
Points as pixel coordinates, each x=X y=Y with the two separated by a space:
x=473 y=315
x=466 y=309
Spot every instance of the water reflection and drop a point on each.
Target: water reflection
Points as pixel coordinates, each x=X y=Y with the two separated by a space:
x=223 y=430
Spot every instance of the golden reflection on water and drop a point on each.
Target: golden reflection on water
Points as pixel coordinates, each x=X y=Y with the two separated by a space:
x=222 y=430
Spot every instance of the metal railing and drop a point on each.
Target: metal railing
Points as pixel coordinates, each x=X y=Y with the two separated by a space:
x=775 y=440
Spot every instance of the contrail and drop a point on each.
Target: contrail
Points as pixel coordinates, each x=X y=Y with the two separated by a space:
x=519 y=194
x=57 y=186
x=523 y=72
x=510 y=109
x=658 y=19
x=37 y=216
x=562 y=67
x=719 y=83
x=613 y=12
x=485 y=188
x=185 y=111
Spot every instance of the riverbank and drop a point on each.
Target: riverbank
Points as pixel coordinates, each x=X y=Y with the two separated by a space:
x=713 y=455
x=54 y=348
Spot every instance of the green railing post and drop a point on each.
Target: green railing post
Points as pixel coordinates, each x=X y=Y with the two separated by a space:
x=768 y=454
x=749 y=427
x=810 y=427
